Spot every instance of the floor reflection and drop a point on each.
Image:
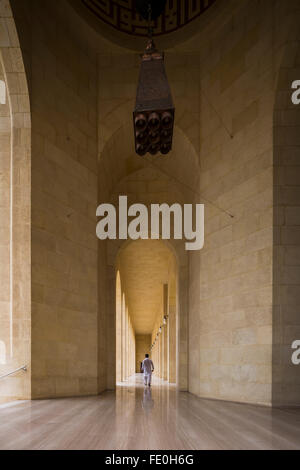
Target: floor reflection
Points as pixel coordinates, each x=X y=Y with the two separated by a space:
x=147 y=402
x=135 y=417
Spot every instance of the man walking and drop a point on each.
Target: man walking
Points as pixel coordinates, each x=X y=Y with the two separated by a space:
x=147 y=368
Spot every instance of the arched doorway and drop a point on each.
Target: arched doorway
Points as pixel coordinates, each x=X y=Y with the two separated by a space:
x=146 y=181
x=147 y=270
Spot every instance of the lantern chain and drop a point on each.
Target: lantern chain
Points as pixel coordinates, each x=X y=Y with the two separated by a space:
x=150 y=29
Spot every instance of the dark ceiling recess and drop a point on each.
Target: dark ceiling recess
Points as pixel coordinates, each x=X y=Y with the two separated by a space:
x=157 y=7
x=129 y=16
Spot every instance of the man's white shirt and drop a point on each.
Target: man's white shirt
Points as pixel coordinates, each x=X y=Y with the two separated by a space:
x=147 y=366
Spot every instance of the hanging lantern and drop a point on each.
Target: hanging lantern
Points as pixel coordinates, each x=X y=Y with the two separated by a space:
x=154 y=109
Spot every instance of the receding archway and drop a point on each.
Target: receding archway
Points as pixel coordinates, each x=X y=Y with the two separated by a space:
x=147 y=271
x=152 y=180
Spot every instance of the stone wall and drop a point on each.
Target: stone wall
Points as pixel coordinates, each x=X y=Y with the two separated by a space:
x=230 y=316
x=63 y=76
x=286 y=298
x=232 y=322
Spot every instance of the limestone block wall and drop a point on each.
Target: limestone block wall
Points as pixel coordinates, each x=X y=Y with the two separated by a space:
x=286 y=315
x=63 y=71
x=243 y=295
x=230 y=314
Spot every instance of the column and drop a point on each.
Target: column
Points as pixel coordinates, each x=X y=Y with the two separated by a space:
x=123 y=337
x=126 y=346
x=165 y=340
x=172 y=341
x=165 y=332
x=161 y=340
x=118 y=330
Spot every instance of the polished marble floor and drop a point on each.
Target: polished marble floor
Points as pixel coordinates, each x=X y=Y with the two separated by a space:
x=137 y=418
